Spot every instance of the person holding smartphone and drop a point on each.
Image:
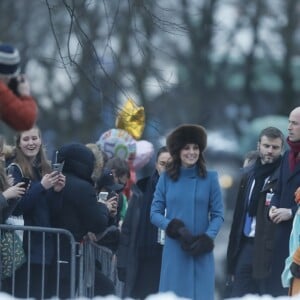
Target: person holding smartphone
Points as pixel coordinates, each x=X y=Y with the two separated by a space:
x=18 y=108
x=106 y=185
x=80 y=212
x=41 y=201
x=9 y=193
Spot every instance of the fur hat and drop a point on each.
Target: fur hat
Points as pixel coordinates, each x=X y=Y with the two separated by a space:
x=9 y=60
x=186 y=134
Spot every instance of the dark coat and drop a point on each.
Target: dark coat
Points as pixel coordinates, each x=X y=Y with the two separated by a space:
x=142 y=275
x=3 y=205
x=127 y=252
x=6 y=207
x=264 y=231
x=284 y=197
x=80 y=213
x=38 y=206
x=236 y=232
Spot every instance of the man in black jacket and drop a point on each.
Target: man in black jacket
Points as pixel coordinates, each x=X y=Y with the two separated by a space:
x=249 y=253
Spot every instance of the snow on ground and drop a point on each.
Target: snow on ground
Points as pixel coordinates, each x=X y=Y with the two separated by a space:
x=172 y=296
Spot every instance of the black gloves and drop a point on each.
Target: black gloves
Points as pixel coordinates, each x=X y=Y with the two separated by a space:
x=177 y=230
x=194 y=245
x=295 y=270
x=295 y=266
x=202 y=244
x=185 y=238
x=173 y=227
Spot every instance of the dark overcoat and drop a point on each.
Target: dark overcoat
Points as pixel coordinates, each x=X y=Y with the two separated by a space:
x=127 y=253
x=264 y=231
x=284 y=197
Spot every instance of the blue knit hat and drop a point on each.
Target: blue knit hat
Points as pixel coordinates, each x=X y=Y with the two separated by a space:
x=9 y=60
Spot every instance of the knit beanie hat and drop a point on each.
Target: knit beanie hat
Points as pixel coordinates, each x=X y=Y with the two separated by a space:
x=186 y=134
x=9 y=60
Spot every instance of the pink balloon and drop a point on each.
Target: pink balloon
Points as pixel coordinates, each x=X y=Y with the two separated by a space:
x=144 y=152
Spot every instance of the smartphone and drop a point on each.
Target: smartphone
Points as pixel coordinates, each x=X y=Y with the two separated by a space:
x=102 y=196
x=57 y=167
x=26 y=181
x=112 y=194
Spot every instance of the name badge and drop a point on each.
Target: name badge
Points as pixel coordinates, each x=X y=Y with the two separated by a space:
x=268 y=198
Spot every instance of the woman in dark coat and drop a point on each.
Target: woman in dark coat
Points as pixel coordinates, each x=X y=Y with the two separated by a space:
x=80 y=213
x=139 y=253
x=41 y=201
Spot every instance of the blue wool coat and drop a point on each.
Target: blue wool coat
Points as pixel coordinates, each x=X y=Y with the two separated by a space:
x=198 y=203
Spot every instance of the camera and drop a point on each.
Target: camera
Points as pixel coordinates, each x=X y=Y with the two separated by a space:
x=13 y=85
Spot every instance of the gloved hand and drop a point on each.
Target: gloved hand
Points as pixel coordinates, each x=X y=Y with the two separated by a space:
x=295 y=270
x=202 y=244
x=295 y=266
x=173 y=227
x=177 y=230
x=186 y=239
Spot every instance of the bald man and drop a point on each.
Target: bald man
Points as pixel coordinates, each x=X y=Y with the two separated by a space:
x=283 y=205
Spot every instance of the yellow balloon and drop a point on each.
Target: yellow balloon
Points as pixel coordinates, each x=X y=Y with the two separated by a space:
x=132 y=119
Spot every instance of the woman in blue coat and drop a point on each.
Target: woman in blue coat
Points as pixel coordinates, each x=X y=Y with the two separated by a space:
x=188 y=205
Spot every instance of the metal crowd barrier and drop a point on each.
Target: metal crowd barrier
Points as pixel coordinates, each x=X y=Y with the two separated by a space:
x=83 y=257
x=92 y=252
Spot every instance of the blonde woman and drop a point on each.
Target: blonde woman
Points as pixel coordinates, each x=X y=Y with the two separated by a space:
x=41 y=201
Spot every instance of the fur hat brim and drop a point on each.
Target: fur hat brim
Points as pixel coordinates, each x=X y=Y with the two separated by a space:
x=186 y=134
